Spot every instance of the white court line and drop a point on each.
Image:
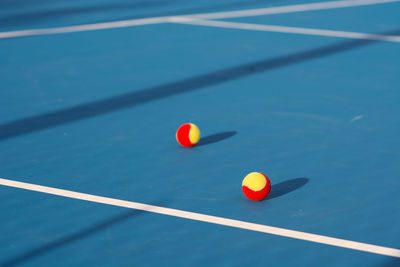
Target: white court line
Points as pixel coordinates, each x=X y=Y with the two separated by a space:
x=217 y=15
x=209 y=219
x=284 y=29
x=85 y=27
x=290 y=9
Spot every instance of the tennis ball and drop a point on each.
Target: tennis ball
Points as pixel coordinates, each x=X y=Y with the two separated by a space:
x=256 y=186
x=188 y=135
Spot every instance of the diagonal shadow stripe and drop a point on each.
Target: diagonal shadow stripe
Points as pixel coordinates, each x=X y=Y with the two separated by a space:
x=30 y=18
x=287 y=187
x=33 y=17
x=96 y=108
x=63 y=241
x=215 y=138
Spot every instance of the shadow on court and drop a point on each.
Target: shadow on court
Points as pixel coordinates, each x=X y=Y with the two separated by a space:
x=214 y=138
x=219 y=7
x=37 y=252
x=138 y=9
x=393 y=262
x=128 y=100
x=51 y=13
x=286 y=187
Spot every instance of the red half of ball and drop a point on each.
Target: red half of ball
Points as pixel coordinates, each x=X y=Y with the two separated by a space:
x=182 y=135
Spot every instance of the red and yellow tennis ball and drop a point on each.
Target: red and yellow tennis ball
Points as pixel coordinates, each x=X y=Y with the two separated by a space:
x=256 y=186
x=188 y=135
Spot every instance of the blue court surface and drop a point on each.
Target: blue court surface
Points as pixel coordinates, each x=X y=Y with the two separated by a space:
x=92 y=93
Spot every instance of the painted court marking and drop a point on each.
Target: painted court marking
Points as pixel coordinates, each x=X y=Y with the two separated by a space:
x=217 y=15
x=290 y=9
x=285 y=29
x=85 y=27
x=207 y=218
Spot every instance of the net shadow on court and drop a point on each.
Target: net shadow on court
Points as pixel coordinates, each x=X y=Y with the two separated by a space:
x=129 y=100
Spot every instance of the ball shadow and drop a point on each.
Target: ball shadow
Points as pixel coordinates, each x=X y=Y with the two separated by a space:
x=214 y=138
x=286 y=187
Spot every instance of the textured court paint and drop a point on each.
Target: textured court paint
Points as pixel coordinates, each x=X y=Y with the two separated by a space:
x=194 y=134
x=207 y=218
x=291 y=9
x=285 y=29
x=296 y=124
x=83 y=28
x=217 y=15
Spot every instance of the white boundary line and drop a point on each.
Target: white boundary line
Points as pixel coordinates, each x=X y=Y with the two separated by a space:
x=290 y=9
x=217 y=15
x=207 y=218
x=285 y=29
x=85 y=27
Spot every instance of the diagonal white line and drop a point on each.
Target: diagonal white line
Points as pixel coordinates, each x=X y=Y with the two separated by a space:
x=290 y=9
x=209 y=219
x=285 y=29
x=217 y=15
x=85 y=27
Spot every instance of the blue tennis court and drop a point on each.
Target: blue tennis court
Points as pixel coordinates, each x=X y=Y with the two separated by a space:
x=92 y=93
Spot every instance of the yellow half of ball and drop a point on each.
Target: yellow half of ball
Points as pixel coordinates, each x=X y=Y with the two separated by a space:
x=255 y=181
x=194 y=134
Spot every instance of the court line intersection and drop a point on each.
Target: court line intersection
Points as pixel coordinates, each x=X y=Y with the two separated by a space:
x=206 y=20
x=217 y=15
x=285 y=29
